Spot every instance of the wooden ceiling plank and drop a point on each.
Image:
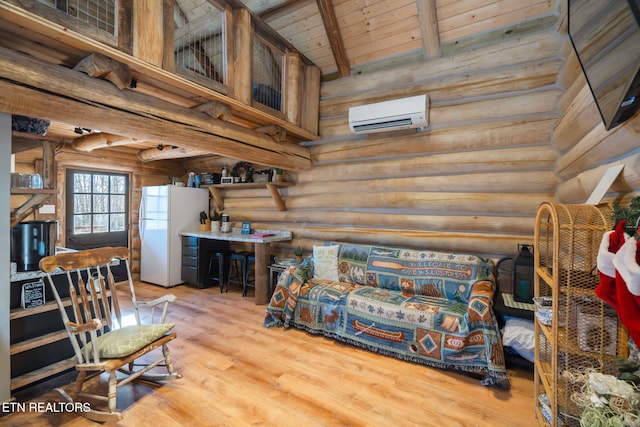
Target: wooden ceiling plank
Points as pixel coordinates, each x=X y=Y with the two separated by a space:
x=330 y=21
x=429 y=27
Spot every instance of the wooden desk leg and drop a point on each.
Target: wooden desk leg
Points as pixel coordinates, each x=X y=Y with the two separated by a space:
x=262 y=273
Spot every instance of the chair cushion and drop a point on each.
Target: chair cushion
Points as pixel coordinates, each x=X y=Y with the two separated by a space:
x=129 y=339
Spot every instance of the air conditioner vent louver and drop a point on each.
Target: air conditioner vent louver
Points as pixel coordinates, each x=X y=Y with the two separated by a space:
x=397 y=114
x=380 y=125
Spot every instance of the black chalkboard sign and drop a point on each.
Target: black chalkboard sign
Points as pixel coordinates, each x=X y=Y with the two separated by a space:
x=33 y=294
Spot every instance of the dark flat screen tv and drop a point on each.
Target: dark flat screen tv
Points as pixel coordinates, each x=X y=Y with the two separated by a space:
x=606 y=37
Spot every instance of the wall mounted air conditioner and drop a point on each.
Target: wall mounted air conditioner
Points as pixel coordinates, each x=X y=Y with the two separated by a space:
x=397 y=114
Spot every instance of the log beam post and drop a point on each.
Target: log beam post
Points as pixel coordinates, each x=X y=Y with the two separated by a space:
x=292 y=87
x=242 y=56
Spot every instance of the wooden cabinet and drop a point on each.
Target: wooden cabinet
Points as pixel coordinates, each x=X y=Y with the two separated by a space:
x=190 y=272
x=576 y=331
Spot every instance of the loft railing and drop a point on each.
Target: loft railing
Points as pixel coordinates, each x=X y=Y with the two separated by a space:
x=99 y=14
x=94 y=18
x=200 y=43
x=266 y=85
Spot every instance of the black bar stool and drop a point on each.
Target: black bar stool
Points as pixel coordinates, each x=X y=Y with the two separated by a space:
x=216 y=261
x=251 y=260
x=238 y=267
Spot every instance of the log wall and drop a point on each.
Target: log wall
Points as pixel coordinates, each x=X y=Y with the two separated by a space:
x=472 y=181
x=588 y=150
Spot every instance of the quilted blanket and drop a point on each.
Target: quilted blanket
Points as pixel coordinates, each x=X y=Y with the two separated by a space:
x=448 y=324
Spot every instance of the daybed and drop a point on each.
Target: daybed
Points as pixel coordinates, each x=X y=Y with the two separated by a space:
x=423 y=306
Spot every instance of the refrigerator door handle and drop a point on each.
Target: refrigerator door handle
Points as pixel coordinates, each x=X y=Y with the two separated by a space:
x=140 y=228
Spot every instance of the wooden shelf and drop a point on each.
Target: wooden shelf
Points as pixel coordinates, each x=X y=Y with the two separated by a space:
x=566 y=240
x=33 y=191
x=36 y=342
x=42 y=373
x=41 y=195
x=273 y=187
x=247 y=185
x=17 y=313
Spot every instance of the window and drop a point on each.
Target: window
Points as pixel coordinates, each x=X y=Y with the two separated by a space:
x=97 y=209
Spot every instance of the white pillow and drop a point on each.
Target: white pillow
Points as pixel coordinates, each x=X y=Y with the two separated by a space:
x=519 y=335
x=325 y=262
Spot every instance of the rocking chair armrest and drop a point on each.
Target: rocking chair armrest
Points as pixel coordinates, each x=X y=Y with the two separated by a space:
x=92 y=325
x=163 y=299
x=162 y=302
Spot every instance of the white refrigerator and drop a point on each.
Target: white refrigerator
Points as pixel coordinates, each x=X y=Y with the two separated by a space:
x=166 y=210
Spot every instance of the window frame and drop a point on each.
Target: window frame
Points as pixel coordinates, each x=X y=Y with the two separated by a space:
x=94 y=239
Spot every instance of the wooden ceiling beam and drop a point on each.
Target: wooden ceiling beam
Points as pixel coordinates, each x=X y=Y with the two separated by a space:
x=168 y=152
x=101 y=140
x=429 y=28
x=331 y=27
x=95 y=103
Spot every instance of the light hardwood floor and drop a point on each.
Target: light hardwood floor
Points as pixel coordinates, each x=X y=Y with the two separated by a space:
x=238 y=373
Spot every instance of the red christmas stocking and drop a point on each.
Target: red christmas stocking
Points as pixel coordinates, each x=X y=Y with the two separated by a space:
x=611 y=242
x=627 y=264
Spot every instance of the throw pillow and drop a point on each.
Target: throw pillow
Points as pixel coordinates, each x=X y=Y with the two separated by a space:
x=325 y=262
x=129 y=339
x=519 y=335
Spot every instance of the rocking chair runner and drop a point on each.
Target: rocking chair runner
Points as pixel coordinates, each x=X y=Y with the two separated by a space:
x=100 y=341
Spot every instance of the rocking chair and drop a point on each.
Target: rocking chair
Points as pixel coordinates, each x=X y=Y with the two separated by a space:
x=100 y=341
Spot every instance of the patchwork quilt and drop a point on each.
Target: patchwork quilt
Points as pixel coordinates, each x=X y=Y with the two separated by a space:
x=426 y=307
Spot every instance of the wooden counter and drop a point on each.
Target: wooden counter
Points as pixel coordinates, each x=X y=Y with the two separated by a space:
x=261 y=239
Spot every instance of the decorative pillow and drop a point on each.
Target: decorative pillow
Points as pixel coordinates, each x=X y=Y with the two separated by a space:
x=519 y=335
x=129 y=339
x=325 y=262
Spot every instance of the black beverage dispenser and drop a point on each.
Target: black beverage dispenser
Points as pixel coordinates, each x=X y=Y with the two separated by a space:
x=31 y=241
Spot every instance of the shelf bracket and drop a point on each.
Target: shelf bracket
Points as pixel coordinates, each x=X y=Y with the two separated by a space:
x=273 y=187
x=275 y=195
x=218 y=200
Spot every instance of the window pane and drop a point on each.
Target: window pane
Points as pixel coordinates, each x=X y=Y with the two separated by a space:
x=100 y=223
x=100 y=203
x=100 y=183
x=117 y=222
x=118 y=185
x=81 y=203
x=82 y=183
x=81 y=224
x=117 y=203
